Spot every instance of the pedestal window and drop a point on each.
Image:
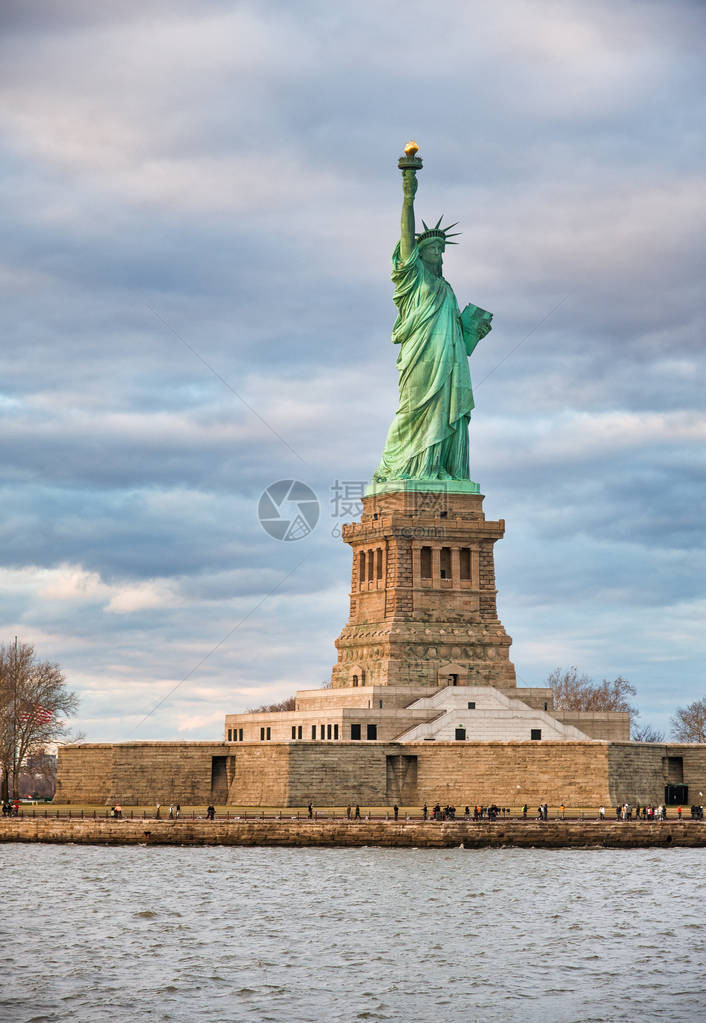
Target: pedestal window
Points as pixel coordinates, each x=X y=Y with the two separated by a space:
x=465 y=562
x=425 y=562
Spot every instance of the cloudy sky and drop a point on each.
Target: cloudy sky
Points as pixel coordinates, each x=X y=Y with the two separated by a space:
x=201 y=200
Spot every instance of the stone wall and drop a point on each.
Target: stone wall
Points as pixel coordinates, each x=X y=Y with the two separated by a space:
x=337 y=774
x=636 y=773
x=365 y=696
x=84 y=773
x=640 y=770
x=376 y=773
x=138 y=773
x=554 y=834
x=611 y=725
x=573 y=773
x=379 y=774
x=694 y=756
x=261 y=776
x=539 y=698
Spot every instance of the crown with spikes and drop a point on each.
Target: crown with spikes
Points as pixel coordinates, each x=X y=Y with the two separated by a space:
x=437 y=233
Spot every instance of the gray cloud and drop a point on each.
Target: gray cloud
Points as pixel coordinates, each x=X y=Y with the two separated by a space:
x=236 y=171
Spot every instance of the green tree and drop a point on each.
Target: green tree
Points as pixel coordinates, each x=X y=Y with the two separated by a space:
x=689 y=723
x=34 y=704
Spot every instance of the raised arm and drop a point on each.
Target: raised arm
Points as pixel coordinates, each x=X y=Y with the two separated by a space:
x=409 y=188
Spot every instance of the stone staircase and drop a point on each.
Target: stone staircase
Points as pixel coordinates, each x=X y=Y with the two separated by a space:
x=494 y=717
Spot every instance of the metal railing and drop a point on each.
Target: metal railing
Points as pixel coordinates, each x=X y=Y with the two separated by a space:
x=366 y=814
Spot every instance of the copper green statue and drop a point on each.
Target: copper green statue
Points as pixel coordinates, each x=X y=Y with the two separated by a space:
x=428 y=438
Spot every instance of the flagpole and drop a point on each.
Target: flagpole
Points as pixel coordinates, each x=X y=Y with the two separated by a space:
x=15 y=788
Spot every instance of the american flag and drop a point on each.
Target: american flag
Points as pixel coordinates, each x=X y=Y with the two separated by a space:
x=38 y=715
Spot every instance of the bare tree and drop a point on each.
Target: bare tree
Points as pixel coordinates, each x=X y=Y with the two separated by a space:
x=272 y=708
x=34 y=703
x=578 y=692
x=689 y=723
x=569 y=688
x=646 y=733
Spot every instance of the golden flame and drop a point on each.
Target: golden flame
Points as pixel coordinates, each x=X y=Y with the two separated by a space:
x=411 y=148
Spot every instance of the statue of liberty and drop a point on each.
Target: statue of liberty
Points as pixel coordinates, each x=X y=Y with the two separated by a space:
x=428 y=438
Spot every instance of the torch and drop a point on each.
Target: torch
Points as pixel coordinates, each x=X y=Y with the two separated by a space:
x=409 y=159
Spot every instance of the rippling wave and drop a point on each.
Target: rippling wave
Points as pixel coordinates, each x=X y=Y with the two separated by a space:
x=214 y=935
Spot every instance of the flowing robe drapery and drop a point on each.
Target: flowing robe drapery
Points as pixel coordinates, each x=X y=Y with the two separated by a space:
x=428 y=438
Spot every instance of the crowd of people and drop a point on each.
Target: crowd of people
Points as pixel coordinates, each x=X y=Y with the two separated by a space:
x=627 y=812
x=623 y=812
x=448 y=812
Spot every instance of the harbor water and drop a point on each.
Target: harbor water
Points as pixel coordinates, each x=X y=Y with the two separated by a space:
x=210 y=935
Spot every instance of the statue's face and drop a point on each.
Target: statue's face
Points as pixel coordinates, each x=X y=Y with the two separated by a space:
x=431 y=255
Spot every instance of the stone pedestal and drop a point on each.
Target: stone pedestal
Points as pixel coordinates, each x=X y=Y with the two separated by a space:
x=423 y=597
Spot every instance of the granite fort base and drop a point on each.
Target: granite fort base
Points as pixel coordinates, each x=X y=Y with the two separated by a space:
x=377 y=773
